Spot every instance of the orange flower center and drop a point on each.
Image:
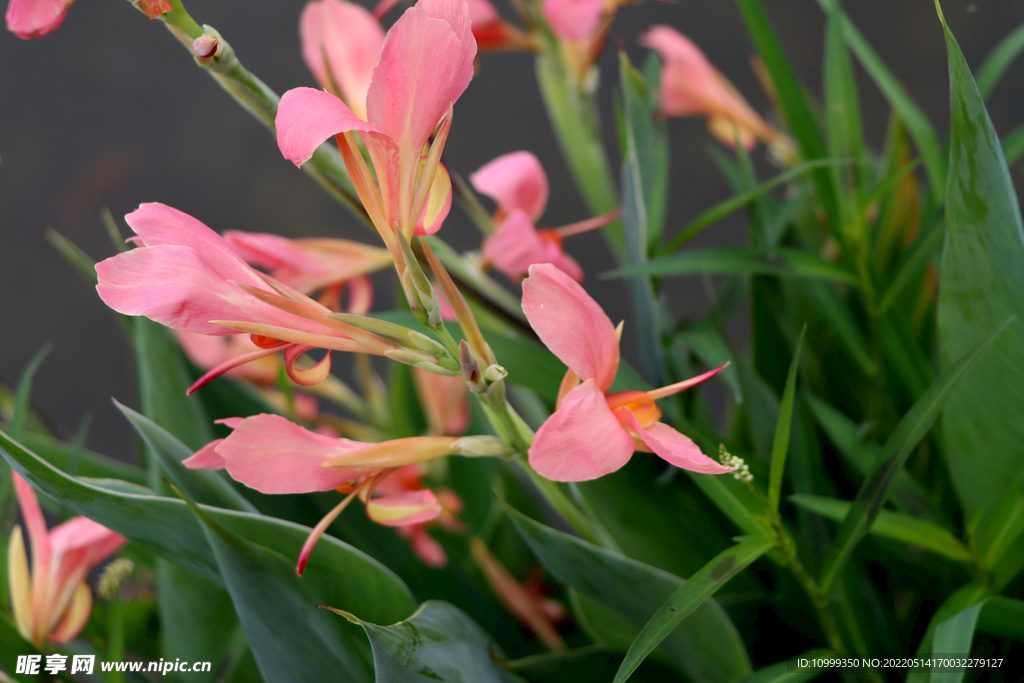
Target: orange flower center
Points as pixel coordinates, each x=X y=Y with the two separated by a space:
x=640 y=403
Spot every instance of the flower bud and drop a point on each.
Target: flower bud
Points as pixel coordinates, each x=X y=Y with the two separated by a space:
x=479 y=446
x=204 y=47
x=471 y=369
x=425 y=343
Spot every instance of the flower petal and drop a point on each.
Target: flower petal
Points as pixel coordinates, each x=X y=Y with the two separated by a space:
x=36 y=18
x=341 y=43
x=444 y=401
x=76 y=616
x=573 y=19
x=83 y=533
x=438 y=204
x=517 y=245
x=20 y=583
x=306 y=117
x=514 y=181
x=424 y=546
x=582 y=440
x=672 y=446
x=571 y=324
x=401 y=509
x=272 y=455
x=42 y=549
x=206 y=458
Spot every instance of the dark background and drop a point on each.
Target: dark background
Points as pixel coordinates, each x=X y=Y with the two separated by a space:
x=110 y=111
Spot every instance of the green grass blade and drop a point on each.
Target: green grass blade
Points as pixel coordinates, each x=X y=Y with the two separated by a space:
x=998 y=60
x=1013 y=144
x=953 y=637
x=780 y=261
x=19 y=418
x=911 y=429
x=690 y=596
x=780 y=445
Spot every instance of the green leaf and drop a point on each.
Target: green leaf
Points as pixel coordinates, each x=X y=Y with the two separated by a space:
x=839 y=317
x=982 y=275
x=960 y=599
x=90 y=464
x=706 y=646
x=998 y=60
x=790 y=671
x=1002 y=537
x=21 y=399
x=780 y=261
x=780 y=446
x=437 y=643
x=74 y=255
x=894 y=525
x=204 y=485
x=168 y=528
x=953 y=637
x=691 y=595
x=911 y=429
x=290 y=641
x=1013 y=144
x=12 y=645
x=917 y=124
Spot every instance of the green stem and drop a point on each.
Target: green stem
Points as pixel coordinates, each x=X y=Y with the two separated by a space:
x=115 y=636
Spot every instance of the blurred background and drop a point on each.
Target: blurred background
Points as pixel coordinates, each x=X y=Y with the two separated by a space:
x=111 y=111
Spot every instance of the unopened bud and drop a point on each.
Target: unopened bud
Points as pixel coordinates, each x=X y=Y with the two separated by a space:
x=425 y=343
x=204 y=47
x=410 y=356
x=495 y=373
x=470 y=369
x=436 y=369
x=479 y=446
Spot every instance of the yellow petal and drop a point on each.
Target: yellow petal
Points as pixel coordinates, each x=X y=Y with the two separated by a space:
x=20 y=584
x=76 y=616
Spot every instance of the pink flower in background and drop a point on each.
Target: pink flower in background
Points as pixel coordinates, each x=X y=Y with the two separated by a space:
x=341 y=43
x=574 y=19
x=592 y=432
x=445 y=401
x=426 y=63
x=36 y=18
x=518 y=184
x=186 y=276
x=272 y=455
x=494 y=33
x=53 y=602
x=410 y=478
x=691 y=86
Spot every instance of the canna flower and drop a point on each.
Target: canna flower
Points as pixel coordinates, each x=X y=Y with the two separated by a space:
x=593 y=433
x=574 y=19
x=341 y=43
x=185 y=276
x=429 y=551
x=314 y=264
x=518 y=184
x=36 y=18
x=691 y=86
x=272 y=455
x=426 y=62
x=492 y=33
x=54 y=602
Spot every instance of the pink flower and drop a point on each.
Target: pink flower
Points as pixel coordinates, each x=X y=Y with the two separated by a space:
x=430 y=552
x=691 y=86
x=426 y=63
x=54 y=602
x=518 y=184
x=272 y=455
x=444 y=400
x=186 y=276
x=574 y=19
x=593 y=433
x=36 y=18
x=341 y=43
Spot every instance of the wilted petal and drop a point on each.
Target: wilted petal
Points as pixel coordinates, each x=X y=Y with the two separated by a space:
x=76 y=616
x=272 y=455
x=400 y=509
x=672 y=446
x=341 y=43
x=582 y=440
x=36 y=18
x=573 y=19
x=517 y=245
x=571 y=324
x=514 y=181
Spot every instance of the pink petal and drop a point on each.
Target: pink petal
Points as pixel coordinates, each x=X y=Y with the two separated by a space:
x=425 y=65
x=424 y=546
x=582 y=440
x=272 y=455
x=206 y=458
x=514 y=181
x=438 y=204
x=350 y=39
x=445 y=401
x=36 y=18
x=573 y=19
x=306 y=117
x=42 y=549
x=83 y=533
x=76 y=616
x=517 y=245
x=672 y=446
x=401 y=509
x=571 y=324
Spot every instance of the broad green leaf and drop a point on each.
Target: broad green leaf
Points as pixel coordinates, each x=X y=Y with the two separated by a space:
x=792 y=101
x=982 y=275
x=203 y=485
x=780 y=261
x=894 y=525
x=439 y=642
x=574 y=118
x=690 y=596
x=168 y=528
x=917 y=124
x=1002 y=536
x=1003 y=616
x=789 y=671
x=953 y=638
x=911 y=429
x=961 y=599
x=90 y=464
x=998 y=60
x=1013 y=144
x=278 y=610
x=706 y=646
x=780 y=445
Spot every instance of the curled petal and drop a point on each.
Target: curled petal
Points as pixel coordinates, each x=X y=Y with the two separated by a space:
x=360 y=295
x=514 y=181
x=306 y=377
x=36 y=18
x=573 y=19
x=306 y=117
x=672 y=446
x=571 y=324
x=272 y=455
x=318 y=531
x=582 y=440
x=75 y=617
x=401 y=509
x=517 y=245
x=230 y=364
